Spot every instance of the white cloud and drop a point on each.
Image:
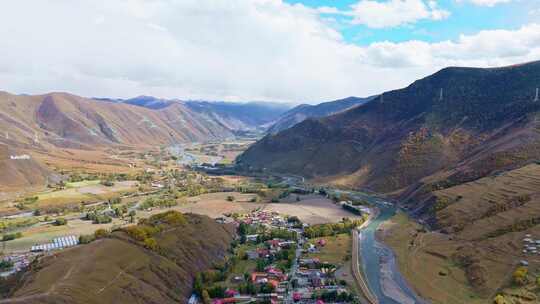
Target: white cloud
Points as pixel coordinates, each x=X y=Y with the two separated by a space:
x=489 y=3
x=392 y=13
x=242 y=50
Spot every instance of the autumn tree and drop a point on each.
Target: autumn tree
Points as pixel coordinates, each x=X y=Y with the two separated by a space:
x=520 y=276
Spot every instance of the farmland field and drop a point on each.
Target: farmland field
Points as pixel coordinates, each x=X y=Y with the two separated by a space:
x=336 y=250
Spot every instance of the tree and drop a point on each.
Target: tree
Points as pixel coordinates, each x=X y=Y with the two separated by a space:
x=206 y=297
x=86 y=238
x=499 y=299
x=60 y=221
x=520 y=275
x=4 y=265
x=131 y=215
x=11 y=236
x=230 y=198
x=151 y=243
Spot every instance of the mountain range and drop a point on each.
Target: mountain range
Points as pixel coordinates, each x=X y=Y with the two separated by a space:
x=60 y=124
x=304 y=111
x=460 y=123
x=231 y=115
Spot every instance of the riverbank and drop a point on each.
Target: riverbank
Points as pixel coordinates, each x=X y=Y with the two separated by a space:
x=357 y=270
x=420 y=259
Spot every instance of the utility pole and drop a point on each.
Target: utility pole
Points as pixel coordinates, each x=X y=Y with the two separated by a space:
x=36 y=138
x=441 y=95
x=7 y=135
x=536 y=98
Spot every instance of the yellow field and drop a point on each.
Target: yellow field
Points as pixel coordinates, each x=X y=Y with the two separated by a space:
x=44 y=233
x=83 y=184
x=84 y=191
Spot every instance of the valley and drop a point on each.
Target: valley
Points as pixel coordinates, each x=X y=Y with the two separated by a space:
x=398 y=198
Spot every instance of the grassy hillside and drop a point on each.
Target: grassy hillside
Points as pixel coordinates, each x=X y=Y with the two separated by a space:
x=153 y=262
x=483 y=224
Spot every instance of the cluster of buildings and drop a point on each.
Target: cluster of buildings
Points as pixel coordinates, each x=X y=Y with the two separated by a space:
x=19 y=262
x=269 y=219
x=531 y=246
x=301 y=283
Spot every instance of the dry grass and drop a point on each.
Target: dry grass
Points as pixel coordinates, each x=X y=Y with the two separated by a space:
x=336 y=251
x=423 y=258
x=312 y=209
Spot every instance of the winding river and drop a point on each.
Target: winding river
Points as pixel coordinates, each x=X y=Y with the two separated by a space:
x=379 y=263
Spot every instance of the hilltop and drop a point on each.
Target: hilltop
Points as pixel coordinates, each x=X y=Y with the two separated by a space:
x=125 y=268
x=305 y=111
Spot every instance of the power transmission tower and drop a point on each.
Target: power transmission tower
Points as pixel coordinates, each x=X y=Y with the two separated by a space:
x=36 y=138
x=441 y=95
x=536 y=98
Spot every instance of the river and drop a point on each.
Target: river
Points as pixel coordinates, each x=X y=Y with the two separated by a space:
x=379 y=263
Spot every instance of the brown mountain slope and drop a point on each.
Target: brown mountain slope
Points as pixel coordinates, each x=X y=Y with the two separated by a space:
x=471 y=121
x=48 y=124
x=120 y=270
x=15 y=174
x=484 y=223
x=63 y=119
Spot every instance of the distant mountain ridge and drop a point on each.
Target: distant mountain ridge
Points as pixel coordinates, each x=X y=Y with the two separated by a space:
x=305 y=111
x=231 y=115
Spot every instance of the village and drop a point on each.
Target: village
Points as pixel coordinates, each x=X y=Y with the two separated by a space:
x=278 y=256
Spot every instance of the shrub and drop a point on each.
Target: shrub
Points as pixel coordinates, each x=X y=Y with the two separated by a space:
x=11 y=236
x=499 y=299
x=151 y=243
x=173 y=218
x=520 y=275
x=107 y=183
x=86 y=238
x=60 y=221
x=101 y=233
x=4 y=265
x=230 y=198
x=102 y=219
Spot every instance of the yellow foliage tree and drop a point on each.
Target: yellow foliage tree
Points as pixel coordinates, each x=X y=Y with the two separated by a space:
x=151 y=244
x=499 y=299
x=520 y=275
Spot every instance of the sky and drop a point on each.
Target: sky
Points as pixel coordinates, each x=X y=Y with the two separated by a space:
x=302 y=51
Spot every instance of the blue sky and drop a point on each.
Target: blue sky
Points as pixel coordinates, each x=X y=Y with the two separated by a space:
x=465 y=18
